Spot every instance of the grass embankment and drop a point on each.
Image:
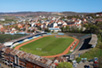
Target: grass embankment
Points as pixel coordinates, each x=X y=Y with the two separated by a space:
x=8 y=37
x=47 y=46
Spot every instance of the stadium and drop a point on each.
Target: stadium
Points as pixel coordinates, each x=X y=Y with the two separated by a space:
x=38 y=50
x=48 y=45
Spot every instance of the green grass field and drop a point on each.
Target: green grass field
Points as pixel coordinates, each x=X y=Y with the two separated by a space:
x=47 y=46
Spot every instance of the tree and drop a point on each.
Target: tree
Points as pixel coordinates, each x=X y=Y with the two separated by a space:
x=67 y=28
x=47 y=30
x=62 y=29
x=100 y=62
x=64 y=65
x=91 y=28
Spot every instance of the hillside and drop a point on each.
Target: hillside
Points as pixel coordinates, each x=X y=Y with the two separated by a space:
x=40 y=13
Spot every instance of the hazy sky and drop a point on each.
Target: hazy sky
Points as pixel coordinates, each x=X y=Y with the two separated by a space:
x=51 y=5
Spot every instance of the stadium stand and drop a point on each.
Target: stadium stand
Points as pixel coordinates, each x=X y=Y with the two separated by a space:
x=20 y=59
x=93 y=40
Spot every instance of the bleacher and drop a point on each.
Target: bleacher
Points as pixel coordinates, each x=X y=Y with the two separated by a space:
x=93 y=40
x=23 y=39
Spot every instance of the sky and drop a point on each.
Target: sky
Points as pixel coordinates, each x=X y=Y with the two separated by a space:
x=51 y=5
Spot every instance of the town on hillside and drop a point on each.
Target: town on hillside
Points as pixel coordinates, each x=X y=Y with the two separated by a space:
x=50 y=34
x=16 y=30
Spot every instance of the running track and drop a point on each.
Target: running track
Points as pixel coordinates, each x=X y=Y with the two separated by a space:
x=52 y=56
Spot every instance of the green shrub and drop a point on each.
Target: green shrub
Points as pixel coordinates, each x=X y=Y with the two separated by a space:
x=64 y=65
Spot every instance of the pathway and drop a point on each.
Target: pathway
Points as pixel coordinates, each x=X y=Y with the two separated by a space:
x=81 y=65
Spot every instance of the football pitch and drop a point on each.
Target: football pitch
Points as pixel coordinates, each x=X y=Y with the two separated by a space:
x=47 y=46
